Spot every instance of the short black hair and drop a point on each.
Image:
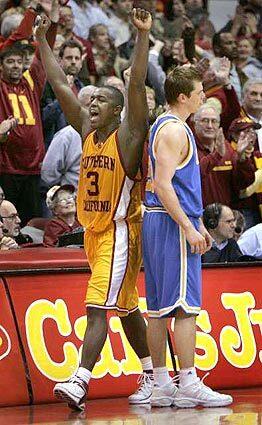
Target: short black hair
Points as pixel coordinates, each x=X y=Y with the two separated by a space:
x=11 y=51
x=72 y=44
x=117 y=95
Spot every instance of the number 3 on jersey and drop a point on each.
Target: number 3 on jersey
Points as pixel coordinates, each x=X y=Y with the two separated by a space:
x=18 y=103
x=93 y=176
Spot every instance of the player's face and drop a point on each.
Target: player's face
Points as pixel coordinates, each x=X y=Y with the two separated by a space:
x=226 y=225
x=207 y=125
x=196 y=98
x=71 y=62
x=102 y=110
x=12 y=68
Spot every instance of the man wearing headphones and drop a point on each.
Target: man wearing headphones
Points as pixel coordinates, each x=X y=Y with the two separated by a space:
x=220 y=222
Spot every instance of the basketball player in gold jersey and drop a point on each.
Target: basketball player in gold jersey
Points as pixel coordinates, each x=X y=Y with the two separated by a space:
x=109 y=207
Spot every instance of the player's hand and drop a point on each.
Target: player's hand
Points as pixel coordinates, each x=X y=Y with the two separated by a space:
x=208 y=238
x=42 y=24
x=196 y=241
x=220 y=145
x=142 y=19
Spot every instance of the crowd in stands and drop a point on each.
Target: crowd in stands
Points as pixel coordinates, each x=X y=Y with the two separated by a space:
x=93 y=43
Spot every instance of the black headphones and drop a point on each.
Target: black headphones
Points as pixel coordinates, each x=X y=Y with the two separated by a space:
x=212 y=215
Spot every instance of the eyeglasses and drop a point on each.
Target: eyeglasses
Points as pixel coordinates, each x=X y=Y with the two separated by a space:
x=11 y=217
x=213 y=121
x=63 y=202
x=2 y=196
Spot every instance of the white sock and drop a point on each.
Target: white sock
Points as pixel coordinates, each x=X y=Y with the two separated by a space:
x=187 y=376
x=147 y=364
x=161 y=376
x=84 y=374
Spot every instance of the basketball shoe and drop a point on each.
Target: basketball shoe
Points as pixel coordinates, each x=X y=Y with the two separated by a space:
x=144 y=391
x=73 y=392
x=164 y=396
x=198 y=394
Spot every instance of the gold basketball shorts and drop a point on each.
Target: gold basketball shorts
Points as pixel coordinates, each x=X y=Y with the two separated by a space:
x=114 y=257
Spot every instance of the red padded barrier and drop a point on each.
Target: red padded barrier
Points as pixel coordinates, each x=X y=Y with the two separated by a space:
x=51 y=316
x=13 y=386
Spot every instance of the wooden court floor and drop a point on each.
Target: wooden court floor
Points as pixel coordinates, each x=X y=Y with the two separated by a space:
x=246 y=410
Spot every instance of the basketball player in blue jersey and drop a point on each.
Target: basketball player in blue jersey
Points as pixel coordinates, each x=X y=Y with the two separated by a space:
x=174 y=238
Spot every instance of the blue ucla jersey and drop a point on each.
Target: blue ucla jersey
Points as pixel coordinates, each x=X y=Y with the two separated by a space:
x=186 y=180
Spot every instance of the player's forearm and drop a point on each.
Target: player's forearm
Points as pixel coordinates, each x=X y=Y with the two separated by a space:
x=170 y=201
x=54 y=73
x=140 y=58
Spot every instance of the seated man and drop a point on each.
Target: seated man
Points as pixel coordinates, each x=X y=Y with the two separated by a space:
x=11 y=223
x=61 y=200
x=220 y=222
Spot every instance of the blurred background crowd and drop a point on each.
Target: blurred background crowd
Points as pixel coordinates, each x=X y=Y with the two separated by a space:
x=93 y=42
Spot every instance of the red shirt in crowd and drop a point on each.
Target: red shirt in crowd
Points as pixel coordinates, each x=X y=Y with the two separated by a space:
x=223 y=177
x=55 y=228
x=24 y=150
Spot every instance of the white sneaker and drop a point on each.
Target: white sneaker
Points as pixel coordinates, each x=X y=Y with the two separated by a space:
x=164 y=396
x=144 y=391
x=198 y=394
x=73 y=392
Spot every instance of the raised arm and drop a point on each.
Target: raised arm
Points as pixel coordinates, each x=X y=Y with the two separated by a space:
x=75 y=114
x=133 y=130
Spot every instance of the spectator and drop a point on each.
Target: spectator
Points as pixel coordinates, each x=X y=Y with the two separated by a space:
x=62 y=160
x=245 y=61
x=61 y=200
x=224 y=44
x=119 y=13
x=244 y=23
x=65 y=28
x=11 y=223
x=220 y=222
x=242 y=130
x=70 y=58
x=219 y=91
x=252 y=106
x=175 y=20
x=253 y=69
x=22 y=154
x=87 y=15
x=250 y=242
x=223 y=171
x=103 y=53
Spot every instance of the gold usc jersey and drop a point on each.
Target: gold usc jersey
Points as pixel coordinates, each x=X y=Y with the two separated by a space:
x=105 y=193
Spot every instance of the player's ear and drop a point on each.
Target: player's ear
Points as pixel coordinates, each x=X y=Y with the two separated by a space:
x=117 y=110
